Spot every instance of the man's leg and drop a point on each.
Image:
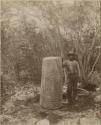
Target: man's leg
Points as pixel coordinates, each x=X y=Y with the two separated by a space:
x=74 y=90
x=69 y=92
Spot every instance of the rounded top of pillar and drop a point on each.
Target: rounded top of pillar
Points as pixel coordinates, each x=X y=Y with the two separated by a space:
x=52 y=58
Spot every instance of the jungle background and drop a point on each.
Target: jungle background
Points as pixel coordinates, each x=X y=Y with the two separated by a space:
x=32 y=30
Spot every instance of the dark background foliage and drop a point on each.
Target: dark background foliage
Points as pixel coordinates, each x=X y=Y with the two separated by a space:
x=32 y=30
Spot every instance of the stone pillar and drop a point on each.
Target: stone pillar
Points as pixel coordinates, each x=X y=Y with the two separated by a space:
x=51 y=83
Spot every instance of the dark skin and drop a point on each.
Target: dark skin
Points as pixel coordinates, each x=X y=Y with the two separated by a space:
x=71 y=57
x=73 y=79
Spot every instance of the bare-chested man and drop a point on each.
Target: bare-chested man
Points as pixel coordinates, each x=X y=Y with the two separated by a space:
x=71 y=66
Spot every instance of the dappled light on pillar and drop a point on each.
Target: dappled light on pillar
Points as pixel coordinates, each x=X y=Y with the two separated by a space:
x=51 y=83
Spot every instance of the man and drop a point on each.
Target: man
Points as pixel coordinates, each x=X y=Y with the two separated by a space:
x=73 y=73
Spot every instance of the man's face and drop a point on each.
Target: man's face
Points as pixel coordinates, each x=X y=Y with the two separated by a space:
x=71 y=57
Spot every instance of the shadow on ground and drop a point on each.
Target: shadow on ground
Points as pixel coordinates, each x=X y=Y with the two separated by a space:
x=24 y=110
x=83 y=104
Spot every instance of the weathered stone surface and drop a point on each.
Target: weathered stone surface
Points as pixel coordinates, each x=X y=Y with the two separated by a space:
x=43 y=122
x=51 y=83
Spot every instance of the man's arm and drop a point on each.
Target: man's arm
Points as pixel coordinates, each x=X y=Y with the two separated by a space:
x=78 y=68
x=64 y=64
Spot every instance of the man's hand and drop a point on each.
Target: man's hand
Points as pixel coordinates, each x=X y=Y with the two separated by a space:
x=79 y=79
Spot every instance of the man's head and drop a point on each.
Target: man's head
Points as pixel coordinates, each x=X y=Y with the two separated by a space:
x=71 y=55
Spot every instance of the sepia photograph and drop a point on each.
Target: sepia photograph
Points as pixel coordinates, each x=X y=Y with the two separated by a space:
x=50 y=66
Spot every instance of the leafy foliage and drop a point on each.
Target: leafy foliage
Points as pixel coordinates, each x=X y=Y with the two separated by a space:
x=32 y=30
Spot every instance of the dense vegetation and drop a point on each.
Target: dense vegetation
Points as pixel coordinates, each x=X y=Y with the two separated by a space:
x=32 y=30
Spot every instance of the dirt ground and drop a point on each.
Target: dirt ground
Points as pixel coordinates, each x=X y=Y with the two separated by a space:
x=28 y=112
